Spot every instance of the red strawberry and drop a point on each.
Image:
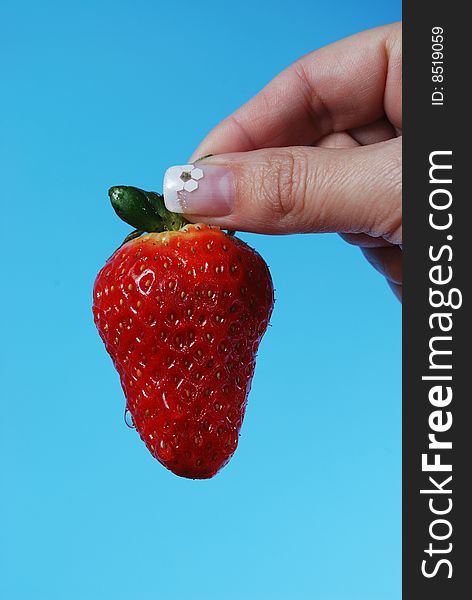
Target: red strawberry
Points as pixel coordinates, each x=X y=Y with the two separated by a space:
x=182 y=314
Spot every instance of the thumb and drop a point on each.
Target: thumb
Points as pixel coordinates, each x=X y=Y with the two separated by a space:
x=294 y=190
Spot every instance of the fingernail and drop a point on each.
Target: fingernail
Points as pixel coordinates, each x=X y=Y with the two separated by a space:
x=199 y=189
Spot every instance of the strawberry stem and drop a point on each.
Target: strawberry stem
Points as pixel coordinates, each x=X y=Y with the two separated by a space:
x=145 y=211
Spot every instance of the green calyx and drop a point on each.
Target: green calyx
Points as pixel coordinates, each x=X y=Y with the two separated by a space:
x=145 y=211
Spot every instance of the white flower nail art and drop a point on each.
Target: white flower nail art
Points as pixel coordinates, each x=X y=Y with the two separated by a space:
x=181 y=178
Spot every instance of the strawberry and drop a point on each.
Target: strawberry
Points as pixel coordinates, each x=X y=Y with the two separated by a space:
x=182 y=310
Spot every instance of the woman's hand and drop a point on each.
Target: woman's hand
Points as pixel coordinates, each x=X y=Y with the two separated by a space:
x=317 y=150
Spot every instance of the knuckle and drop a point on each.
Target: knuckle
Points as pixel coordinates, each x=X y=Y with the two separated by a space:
x=387 y=219
x=394 y=217
x=282 y=183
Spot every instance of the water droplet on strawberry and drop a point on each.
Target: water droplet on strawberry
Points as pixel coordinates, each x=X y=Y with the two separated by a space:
x=129 y=419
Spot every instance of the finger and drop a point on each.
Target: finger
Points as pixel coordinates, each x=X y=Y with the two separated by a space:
x=297 y=189
x=387 y=261
x=373 y=133
x=346 y=85
x=365 y=241
x=397 y=290
x=337 y=140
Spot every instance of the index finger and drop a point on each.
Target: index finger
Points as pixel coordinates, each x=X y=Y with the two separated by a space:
x=347 y=84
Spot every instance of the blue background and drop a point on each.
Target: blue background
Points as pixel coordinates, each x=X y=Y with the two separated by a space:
x=101 y=93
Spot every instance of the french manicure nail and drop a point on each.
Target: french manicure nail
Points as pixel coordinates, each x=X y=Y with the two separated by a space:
x=199 y=189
